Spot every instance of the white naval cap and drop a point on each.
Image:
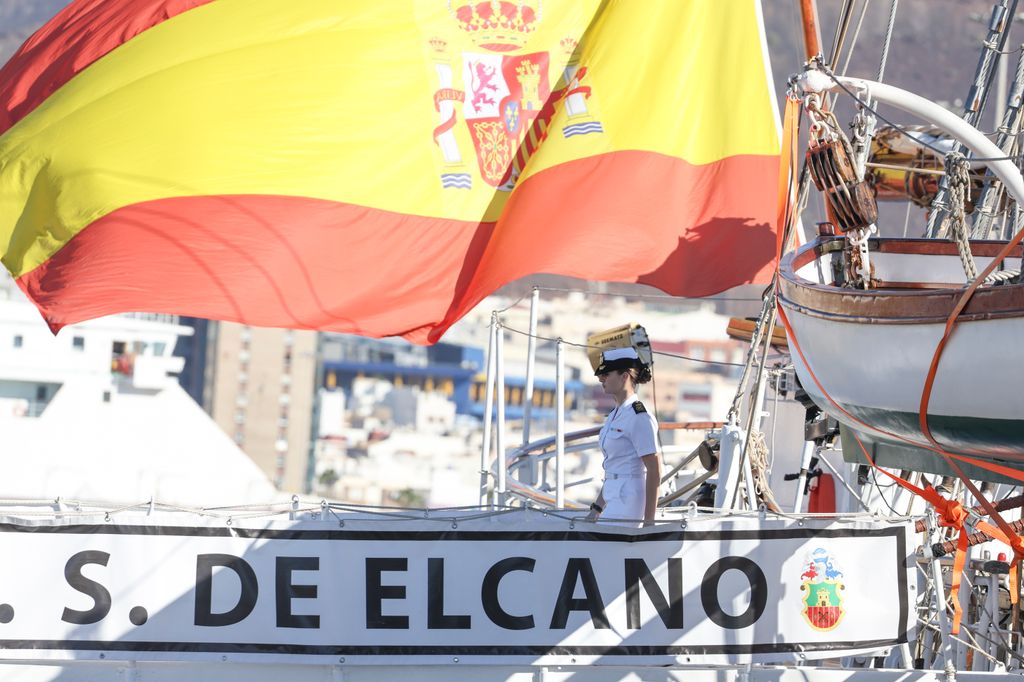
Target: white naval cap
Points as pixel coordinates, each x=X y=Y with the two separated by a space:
x=618 y=359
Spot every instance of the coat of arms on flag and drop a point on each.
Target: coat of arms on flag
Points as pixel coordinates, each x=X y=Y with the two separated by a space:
x=822 y=590
x=505 y=92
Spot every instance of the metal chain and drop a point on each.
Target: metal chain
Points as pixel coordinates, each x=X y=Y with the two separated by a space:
x=959 y=180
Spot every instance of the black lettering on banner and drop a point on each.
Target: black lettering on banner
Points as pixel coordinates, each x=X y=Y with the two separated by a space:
x=100 y=595
x=576 y=569
x=286 y=591
x=671 y=611
x=758 y=592
x=204 y=614
x=377 y=593
x=489 y=593
x=436 y=618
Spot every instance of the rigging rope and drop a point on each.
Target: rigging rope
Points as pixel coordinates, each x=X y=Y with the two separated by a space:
x=959 y=181
x=759 y=466
x=888 y=40
x=1003 y=276
x=856 y=35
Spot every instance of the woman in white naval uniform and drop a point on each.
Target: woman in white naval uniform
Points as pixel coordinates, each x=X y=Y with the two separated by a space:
x=632 y=468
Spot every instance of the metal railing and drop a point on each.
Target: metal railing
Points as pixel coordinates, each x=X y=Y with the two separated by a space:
x=532 y=456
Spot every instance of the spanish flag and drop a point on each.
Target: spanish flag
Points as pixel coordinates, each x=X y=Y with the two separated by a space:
x=379 y=167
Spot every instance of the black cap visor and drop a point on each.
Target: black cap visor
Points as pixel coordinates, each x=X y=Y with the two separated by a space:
x=616 y=365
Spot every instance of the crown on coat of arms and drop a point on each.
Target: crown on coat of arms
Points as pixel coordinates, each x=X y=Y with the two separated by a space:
x=568 y=44
x=438 y=44
x=498 y=25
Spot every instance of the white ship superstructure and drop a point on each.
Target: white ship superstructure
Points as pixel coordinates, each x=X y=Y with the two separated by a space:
x=96 y=413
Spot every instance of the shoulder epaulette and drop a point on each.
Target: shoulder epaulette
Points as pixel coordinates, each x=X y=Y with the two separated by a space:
x=639 y=408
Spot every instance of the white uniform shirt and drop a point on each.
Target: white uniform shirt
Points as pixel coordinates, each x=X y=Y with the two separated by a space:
x=627 y=435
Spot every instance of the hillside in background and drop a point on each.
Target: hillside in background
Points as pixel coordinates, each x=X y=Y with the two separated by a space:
x=935 y=49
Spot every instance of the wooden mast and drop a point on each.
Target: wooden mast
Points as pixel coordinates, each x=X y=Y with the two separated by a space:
x=812 y=32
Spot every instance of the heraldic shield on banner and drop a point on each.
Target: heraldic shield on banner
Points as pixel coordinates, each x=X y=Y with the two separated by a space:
x=823 y=591
x=502 y=89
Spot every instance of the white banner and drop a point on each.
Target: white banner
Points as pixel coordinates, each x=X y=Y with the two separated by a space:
x=512 y=587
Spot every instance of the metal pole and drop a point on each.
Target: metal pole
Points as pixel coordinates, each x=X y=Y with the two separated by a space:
x=805 y=463
x=531 y=355
x=1002 y=75
x=842 y=479
x=485 y=451
x=728 y=465
x=559 y=425
x=499 y=359
x=945 y=637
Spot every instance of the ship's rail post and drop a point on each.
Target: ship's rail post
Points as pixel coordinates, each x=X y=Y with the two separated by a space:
x=559 y=424
x=501 y=487
x=531 y=356
x=732 y=441
x=988 y=623
x=485 y=450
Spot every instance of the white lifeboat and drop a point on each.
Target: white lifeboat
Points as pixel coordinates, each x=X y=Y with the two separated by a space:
x=870 y=350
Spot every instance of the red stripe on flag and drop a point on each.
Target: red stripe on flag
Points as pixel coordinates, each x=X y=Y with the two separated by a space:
x=687 y=230
x=79 y=35
x=308 y=263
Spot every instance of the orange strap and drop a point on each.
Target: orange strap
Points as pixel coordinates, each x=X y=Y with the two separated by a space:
x=1012 y=538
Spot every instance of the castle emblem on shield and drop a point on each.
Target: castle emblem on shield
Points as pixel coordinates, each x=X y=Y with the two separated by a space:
x=503 y=94
x=823 y=591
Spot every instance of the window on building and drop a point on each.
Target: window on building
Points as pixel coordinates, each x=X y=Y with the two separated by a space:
x=19 y=340
x=40 y=393
x=78 y=342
